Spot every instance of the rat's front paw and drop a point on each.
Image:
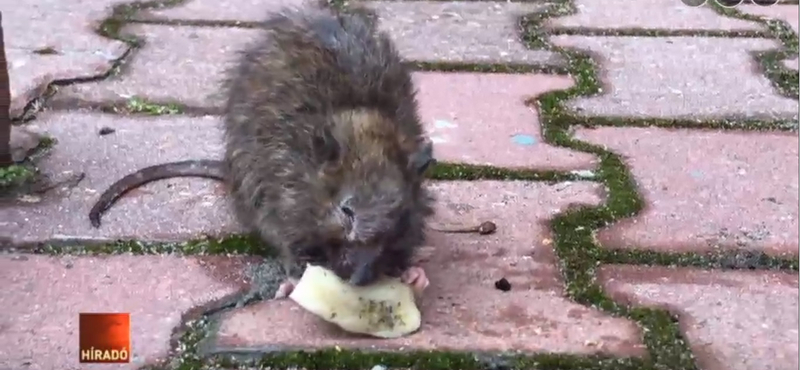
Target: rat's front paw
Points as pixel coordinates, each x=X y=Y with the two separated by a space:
x=416 y=278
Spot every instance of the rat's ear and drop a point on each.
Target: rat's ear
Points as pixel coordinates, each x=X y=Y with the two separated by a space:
x=423 y=158
x=326 y=148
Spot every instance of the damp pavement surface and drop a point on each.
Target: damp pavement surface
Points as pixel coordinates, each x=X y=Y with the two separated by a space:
x=640 y=161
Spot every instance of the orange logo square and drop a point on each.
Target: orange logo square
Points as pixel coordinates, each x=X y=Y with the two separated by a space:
x=105 y=337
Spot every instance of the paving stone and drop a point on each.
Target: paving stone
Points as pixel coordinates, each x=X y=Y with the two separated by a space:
x=707 y=190
x=167 y=210
x=650 y=77
x=81 y=53
x=484 y=118
x=229 y=10
x=791 y=63
x=177 y=64
x=462 y=310
x=43 y=296
x=460 y=31
x=648 y=14
x=734 y=320
x=787 y=13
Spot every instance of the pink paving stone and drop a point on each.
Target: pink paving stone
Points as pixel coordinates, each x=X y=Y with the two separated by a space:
x=462 y=310
x=67 y=27
x=787 y=13
x=461 y=31
x=791 y=63
x=733 y=320
x=43 y=295
x=228 y=10
x=177 y=64
x=672 y=15
x=168 y=210
x=706 y=190
x=649 y=77
x=478 y=118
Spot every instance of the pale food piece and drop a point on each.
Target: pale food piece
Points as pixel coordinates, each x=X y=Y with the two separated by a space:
x=385 y=309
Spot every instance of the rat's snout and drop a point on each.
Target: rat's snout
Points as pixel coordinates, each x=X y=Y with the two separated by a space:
x=362 y=260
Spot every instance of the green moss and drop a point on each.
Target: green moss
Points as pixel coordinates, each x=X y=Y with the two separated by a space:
x=487 y=68
x=739 y=124
x=467 y=172
x=583 y=31
x=139 y=105
x=236 y=244
x=196 y=22
x=729 y=260
x=15 y=175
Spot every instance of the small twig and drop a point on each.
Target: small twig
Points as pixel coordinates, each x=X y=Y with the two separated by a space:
x=485 y=228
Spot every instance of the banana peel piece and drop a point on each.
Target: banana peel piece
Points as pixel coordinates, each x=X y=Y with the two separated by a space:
x=385 y=309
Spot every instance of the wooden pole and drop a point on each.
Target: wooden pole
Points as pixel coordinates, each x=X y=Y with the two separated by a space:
x=5 y=104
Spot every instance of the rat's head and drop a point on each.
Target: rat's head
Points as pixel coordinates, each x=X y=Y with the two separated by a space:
x=376 y=206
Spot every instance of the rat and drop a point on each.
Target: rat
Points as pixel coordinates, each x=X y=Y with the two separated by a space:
x=325 y=154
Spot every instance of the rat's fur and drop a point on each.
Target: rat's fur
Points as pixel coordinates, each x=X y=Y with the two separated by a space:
x=324 y=151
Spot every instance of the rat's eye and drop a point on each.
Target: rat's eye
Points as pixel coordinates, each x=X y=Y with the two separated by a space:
x=348 y=212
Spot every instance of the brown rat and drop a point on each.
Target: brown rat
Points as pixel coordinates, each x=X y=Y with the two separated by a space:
x=324 y=150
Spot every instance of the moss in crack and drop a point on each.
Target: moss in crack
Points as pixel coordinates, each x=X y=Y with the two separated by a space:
x=15 y=175
x=429 y=360
x=641 y=32
x=578 y=254
x=724 y=260
x=739 y=124
x=236 y=244
x=467 y=172
x=785 y=80
x=136 y=105
x=112 y=26
x=487 y=68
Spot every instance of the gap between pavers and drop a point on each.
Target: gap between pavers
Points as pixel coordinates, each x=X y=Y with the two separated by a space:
x=43 y=296
x=648 y=15
x=462 y=310
x=706 y=190
x=69 y=30
x=733 y=320
x=679 y=77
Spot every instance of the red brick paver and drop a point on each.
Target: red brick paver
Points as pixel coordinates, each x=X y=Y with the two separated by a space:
x=70 y=33
x=175 y=209
x=462 y=310
x=483 y=118
x=461 y=31
x=42 y=297
x=672 y=15
x=706 y=190
x=214 y=10
x=650 y=77
x=177 y=64
x=733 y=320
